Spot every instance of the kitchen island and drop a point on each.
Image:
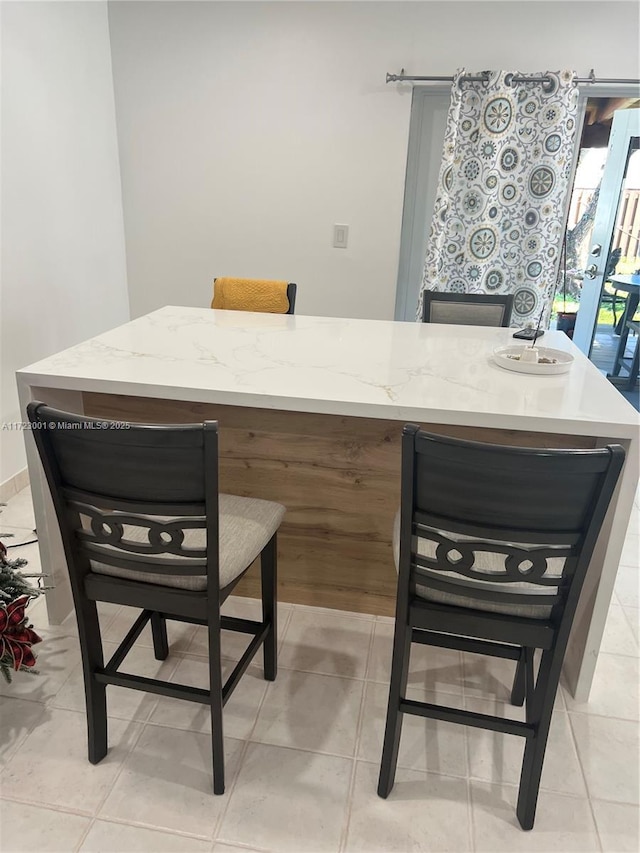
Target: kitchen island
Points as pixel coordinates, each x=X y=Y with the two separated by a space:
x=311 y=412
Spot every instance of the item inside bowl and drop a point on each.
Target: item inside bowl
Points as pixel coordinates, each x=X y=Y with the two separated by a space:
x=541 y=359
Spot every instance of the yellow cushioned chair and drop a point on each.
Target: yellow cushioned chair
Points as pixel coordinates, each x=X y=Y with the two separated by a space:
x=254 y=294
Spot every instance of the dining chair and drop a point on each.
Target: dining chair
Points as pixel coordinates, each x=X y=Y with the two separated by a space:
x=143 y=525
x=610 y=295
x=467 y=309
x=634 y=366
x=492 y=545
x=254 y=294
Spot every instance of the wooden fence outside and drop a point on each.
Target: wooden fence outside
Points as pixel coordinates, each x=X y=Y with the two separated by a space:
x=626 y=234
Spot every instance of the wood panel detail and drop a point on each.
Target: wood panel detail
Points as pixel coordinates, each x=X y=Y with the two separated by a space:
x=339 y=478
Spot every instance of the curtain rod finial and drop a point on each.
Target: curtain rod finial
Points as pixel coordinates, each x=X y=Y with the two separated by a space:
x=391 y=78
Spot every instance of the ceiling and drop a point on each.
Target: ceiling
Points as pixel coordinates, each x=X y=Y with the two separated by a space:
x=598 y=118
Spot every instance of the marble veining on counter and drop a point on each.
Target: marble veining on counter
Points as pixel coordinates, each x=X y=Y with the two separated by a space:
x=372 y=368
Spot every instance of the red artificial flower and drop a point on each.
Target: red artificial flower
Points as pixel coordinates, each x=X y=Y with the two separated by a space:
x=16 y=638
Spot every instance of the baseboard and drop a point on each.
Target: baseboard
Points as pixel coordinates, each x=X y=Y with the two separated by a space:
x=13 y=485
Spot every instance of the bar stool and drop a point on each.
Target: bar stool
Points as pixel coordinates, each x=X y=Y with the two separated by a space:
x=467 y=309
x=633 y=326
x=492 y=545
x=143 y=524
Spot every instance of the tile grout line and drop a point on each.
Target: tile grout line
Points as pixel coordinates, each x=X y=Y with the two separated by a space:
x=602 y=716
x=467 y=759
x=471 y=819
x=240 y=847
x=330 y=612
x=134 y=743
x=52 y=807
x=627 y=619
x=230 y=790
x=617 y=803
x=586 y=784
x=117 y=775
x=442 y=775
x=247 y=741
x=133 y=824
x=632 y=655
x=84 y=835
x=298 y=748
x=354 y=766
x=463 y=678
x=346 y=822
x=27 y=733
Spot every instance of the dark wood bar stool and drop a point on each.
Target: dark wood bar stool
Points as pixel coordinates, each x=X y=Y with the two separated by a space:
x=143 y=524
x=467 y=309
x=492 y=545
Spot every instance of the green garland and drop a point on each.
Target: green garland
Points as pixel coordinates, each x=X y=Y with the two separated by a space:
x=13 y=583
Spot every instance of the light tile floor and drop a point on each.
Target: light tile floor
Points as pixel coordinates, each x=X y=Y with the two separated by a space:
x=302 y=753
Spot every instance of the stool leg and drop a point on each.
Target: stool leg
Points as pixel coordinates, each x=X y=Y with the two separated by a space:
x=518 y=689
x=539 y=708
x=269 y=580
x=635 y=365
x=215 y=699
x=159 y=634
x=95 y=693
x=393 y=728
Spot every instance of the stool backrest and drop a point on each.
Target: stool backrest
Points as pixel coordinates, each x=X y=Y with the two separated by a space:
x=109 y=479
x=254 y=294
x=510 y=525
x=467 y=309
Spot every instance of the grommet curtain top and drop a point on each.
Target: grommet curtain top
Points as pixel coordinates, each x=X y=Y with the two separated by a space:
x=483 y=77
x=499 y=210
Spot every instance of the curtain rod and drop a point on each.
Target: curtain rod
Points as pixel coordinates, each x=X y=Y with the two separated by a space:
x=483 y=78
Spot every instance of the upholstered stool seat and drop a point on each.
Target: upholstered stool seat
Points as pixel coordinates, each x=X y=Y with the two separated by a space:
x=485 y=561
x=246 y=526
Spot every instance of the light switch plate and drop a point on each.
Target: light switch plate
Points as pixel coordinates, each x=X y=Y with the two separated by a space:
x=340 y=236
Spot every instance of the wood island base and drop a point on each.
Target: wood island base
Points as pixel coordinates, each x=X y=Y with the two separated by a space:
x=339 y=478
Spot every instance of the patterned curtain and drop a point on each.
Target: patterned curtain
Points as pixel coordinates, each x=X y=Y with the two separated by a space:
x=498 y=220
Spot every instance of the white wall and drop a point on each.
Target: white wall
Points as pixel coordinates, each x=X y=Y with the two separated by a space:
x=63 y=263
x=247 y=129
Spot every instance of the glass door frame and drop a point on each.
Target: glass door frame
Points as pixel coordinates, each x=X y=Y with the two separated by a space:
x=625 y=126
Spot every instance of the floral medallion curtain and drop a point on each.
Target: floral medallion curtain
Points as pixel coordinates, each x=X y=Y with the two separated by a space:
x=498 y=219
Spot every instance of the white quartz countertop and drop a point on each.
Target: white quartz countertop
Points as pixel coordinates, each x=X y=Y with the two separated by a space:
x=369 y=368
